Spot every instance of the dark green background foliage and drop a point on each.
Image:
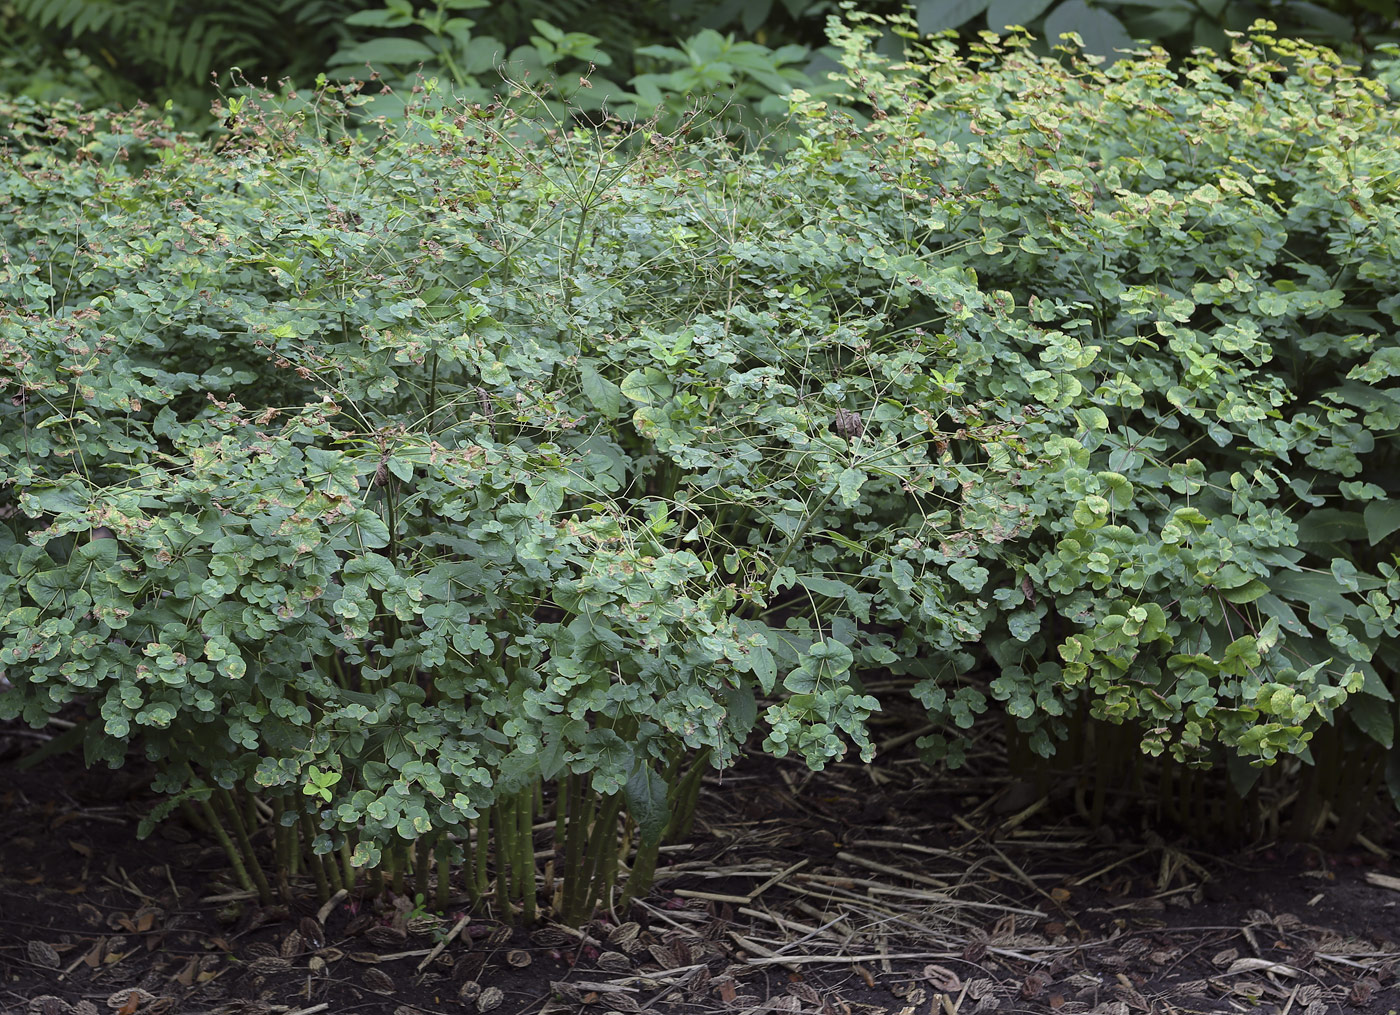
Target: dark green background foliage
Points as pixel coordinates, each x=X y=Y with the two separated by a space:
x=643 y=58
x=398 y=473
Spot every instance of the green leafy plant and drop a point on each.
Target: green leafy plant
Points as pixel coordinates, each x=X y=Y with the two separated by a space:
x=1212 y=556
x=395 y=491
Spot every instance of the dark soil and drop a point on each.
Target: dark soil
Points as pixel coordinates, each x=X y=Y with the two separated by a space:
x=859 y=890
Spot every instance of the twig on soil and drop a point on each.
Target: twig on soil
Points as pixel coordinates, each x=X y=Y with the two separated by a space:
x=329 y=908
x=1104 y=870
x=912 y=847
x=786 y=924
x=882 y=868
x=451 y=936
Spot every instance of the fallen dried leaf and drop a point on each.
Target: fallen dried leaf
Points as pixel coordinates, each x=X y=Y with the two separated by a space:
x=615 y=962
x=385 y=937
x=378 y=981
x=1222 y=959
x=292 y=944
x=41 y=953
x=980 y=988
x=312 y=933
x=129 y=999
x=1248 y=965
x=1034 y=985
x=1362 y=991
x=943 y=978
x=519 y=958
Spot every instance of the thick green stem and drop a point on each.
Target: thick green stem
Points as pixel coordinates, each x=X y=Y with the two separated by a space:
x=399 y=855
x=525 y=851
x=332 y=868
x=502 y=823
x=580 y=809
x=211 y=819
x=643 y=873
x=603 y=839
x=687 y=795
x=308 y=832
x=481 y=853
x=443 y=854
x=245 y=844
x=347 y=855
x=422 y=868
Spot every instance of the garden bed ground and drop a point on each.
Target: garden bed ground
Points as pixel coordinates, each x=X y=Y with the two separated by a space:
x=855 y=891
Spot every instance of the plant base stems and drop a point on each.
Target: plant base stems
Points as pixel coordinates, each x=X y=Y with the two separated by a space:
x=245 y=844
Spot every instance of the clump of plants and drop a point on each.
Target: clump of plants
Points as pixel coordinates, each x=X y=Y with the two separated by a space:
x=1187 y=286
x=394 y=493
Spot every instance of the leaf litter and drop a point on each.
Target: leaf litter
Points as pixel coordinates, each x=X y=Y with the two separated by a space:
x=843 y=893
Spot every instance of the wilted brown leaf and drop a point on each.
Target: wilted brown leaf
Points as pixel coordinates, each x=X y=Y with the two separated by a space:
x=943 y=979
x=377 y=980
x=41 y=953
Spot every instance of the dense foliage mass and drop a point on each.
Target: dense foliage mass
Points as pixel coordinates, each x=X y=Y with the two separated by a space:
x=647 y=56
x=386 y=479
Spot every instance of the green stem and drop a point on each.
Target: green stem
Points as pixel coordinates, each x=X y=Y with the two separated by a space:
x=481 y=852
x=525 y=850
x=580 y=809
x=422 y=868
x=502 y=823
x=332 y=868
x=245 y=843
x=398 y=860
x=603 y=839
x=221 y=834
x=686 y=797
x=318 y=871
x=444 y=872
x=347 y=854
